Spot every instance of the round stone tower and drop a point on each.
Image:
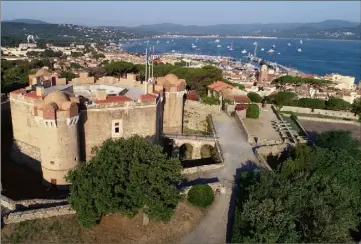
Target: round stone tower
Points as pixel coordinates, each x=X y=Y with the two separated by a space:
x=174 y=90
x=59 y=142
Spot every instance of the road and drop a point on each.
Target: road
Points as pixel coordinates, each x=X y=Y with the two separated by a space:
x=238 y=155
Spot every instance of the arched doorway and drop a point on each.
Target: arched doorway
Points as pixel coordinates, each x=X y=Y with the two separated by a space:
x=207 y=151
x=185 y=152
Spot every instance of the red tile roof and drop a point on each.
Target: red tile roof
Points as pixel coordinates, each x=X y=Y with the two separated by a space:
x=114 y=99
x=148 y=97
x=193 y=95
x=32 y=95
x=241 y=99
x=219 y=86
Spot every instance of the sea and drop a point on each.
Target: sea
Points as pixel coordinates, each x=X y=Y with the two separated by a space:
x=317 y=56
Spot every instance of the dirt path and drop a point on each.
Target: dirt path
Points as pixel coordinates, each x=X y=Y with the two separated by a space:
x=238 y=156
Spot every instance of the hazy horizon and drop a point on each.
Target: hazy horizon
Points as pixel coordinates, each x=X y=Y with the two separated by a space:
x=186 y=13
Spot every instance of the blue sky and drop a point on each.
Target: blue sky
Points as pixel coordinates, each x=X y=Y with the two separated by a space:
x=187 y=13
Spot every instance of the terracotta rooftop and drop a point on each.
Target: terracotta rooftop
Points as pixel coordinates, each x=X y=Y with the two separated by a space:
x=32 y=95
x=219 y=86
x=241 y=99
x=147 y=97
x=114 y=99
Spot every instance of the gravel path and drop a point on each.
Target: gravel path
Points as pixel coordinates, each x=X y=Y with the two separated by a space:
x=237 y=154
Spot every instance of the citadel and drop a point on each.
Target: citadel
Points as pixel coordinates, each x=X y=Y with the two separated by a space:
x=57 y=123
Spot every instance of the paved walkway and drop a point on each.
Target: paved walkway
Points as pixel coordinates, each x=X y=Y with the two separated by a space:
x=237 y=154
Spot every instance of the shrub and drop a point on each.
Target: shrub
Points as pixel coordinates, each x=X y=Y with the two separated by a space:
x=210 y=100
x=293 y=116
x=252 y=111
x=201 y=195
x=254 y=97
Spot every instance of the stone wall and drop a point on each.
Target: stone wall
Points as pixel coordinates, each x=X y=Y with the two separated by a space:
x=338 y=114
x=204 y=168
x=329 y=120
x=24 y=153
x=7 y=203
x=249 y=137
x=17 y=217
x=215 y=186
x=96 y=125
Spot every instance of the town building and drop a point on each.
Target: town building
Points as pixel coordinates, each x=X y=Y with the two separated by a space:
x=342 y=81
x=56 y=123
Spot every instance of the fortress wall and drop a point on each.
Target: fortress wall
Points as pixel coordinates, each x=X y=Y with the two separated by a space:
x=25 y=128
x=338 y=114
x=97 y=124
x=21 y=216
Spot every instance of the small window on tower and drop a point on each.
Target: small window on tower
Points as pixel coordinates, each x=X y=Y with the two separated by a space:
x=117 y=128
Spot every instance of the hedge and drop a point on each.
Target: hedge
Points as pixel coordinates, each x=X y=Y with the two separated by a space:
x=201 y=195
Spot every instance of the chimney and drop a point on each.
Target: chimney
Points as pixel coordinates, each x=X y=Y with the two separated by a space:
x=101 y=94
x=40 y=91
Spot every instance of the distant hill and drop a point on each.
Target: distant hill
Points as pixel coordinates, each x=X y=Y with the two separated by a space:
x=27 y=21
x=257 y=29
x=13 y=33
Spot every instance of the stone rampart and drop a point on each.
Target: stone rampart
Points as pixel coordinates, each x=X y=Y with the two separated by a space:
x=24 y=153
x=7 y=203
x=338 y=114
x=204 y=168
x=17 y=217
x=249 y=137
x=329 y=120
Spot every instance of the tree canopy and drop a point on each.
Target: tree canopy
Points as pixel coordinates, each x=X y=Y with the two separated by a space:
x=125 y=176
x=288 y=79
x=252 y=111
x=254 y=97
x=314 y=196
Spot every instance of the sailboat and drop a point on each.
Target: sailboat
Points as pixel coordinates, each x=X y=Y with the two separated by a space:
x=216 y=40
x=228 y=46
x=193 y=46
x=273 y=46
x=299 y=50
x=271 y=51
x=301 y=42
x=244 y=51
x=219 y=45
x=231 y=47
x=157 y=41
x=262 y=49
x=289 y=44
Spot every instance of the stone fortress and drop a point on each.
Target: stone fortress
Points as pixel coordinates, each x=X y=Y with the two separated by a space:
x=56 y=123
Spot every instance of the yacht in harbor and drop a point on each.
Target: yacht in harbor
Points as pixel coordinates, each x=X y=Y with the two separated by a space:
x=301 y=42
x=271 y=51
x=273 y=46
x=262 y=49
x=299 y=50
x=289 y=44
x=193 y=46
x=219 y=45
x=216 y=41
x=244 y=51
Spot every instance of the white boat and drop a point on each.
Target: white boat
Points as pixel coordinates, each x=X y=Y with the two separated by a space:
x=193 y=46
x=289 y=44
x=273 y=46
x=244 y=51
x=219 y=46
x=157 y=41
x=271 y=51
x=228 y=46
x=231 y=49
x=262 y=49
x=216 y=40
x=301 y=42
x=167 y=41
x=279 y=53
x=173 y=51
x=299 y=50
x=254 y=43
